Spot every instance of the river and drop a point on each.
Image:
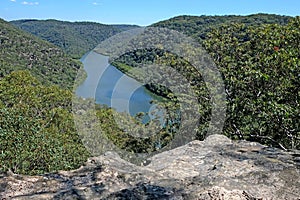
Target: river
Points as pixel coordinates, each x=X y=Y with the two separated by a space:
x=109 y=86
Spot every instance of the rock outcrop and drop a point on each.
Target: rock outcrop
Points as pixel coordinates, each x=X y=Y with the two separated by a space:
x=216 y=168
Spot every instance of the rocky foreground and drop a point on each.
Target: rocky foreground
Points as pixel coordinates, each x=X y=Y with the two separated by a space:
x=216 y=168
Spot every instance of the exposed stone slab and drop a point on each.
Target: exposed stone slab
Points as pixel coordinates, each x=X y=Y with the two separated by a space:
x=216 y=168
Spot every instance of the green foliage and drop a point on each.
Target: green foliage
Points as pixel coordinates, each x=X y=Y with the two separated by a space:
x=130 y=62
x=199 y=26
x=259 y=61
x=20 y=50
x=131 y=134
x=75 y=38
x=260 y=65
x=37 y=132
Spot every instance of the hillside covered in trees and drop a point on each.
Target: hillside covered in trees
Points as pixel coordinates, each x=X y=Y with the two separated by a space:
x=261 y=70
x=199 y=26
x=37 y=128
x=257 y=55
x=23 y=51
x=37 y=132
x=75 y=38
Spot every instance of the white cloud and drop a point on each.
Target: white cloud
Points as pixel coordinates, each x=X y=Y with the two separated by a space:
x=30 y=3
x=13 y=0
x=96 y=4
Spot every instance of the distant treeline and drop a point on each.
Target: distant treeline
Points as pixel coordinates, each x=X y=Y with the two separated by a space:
x=75 y=38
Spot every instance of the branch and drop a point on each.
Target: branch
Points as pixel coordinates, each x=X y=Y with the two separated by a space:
x=267 y=137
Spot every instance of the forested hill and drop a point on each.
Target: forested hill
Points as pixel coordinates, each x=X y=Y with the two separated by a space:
x=37 y=132
x=75 y=38
x=199 y=26
x=258 y=57
x=23 y=51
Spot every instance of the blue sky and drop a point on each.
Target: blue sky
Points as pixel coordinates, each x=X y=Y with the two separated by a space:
x=139 y=12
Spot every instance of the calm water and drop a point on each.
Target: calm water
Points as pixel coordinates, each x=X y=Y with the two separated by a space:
x=109 y=86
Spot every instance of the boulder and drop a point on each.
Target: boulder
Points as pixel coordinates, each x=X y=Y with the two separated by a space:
x=216 y=168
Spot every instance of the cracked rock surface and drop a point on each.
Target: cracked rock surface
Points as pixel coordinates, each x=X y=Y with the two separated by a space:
x=216 y=168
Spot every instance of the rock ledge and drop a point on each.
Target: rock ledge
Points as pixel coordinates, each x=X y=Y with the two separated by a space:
x=216 y=168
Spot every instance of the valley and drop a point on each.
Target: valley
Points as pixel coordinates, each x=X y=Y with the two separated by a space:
x=257 y=56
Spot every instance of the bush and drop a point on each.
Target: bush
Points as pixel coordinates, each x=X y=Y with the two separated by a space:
x=261 y=71
x=37 y=132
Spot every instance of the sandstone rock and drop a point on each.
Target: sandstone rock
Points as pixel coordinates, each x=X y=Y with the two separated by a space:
x=216 y=168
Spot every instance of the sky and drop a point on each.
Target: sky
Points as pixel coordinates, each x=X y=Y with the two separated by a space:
x=138 y=12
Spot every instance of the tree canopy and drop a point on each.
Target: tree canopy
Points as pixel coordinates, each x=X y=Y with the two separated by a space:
x=75 y=38
x=37 y=132
x=258 y=57
x=22 y=51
